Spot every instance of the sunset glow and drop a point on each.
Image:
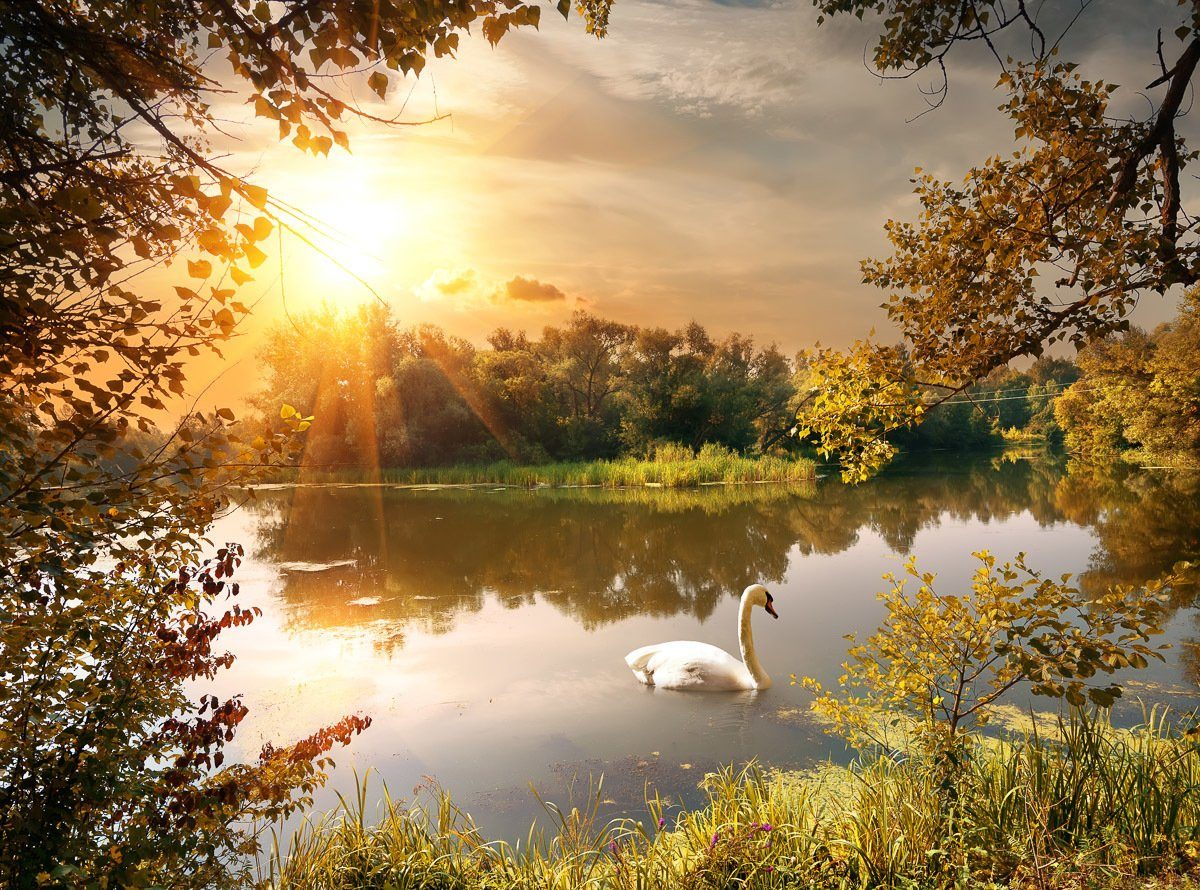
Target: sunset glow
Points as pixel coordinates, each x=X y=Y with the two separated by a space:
x=452 y=444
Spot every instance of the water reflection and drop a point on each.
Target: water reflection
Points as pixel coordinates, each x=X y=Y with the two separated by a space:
x=484 y=630
x=424 y=558
x=1145 y=521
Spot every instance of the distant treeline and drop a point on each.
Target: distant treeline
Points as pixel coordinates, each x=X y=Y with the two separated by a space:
x=591 y=389
x=1007 y=406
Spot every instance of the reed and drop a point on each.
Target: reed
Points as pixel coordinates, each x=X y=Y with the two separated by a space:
x=675 y=467
x=1087 y=805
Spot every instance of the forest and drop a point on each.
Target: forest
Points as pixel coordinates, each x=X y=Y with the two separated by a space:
x=597 y=389
x=593 y=389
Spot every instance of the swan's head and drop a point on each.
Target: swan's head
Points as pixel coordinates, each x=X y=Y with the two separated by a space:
x=757 y=595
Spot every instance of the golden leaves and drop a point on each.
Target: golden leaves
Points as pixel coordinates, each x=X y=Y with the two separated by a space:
x=199 y=268
x=855 y=399
x=378 y=81
x=940 y=663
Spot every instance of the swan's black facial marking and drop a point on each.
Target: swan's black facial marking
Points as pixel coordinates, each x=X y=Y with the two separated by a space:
x=770 y=607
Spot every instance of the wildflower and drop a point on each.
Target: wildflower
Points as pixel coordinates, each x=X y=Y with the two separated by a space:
x=661 y=822
x=612 y=846
x=766 y=826
x=715 y=837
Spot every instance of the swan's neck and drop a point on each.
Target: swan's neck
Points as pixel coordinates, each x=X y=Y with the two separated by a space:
x=746 y=641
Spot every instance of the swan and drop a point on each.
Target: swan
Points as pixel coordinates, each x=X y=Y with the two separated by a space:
x=684 y=664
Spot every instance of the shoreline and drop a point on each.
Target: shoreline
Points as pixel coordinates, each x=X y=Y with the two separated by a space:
x=714 y=468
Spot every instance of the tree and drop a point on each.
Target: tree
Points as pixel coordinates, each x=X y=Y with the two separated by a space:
x=664 y=384
x=444 y=417
x=108 y=773
x=584 y=360
x=940 y=663
x=683 y=387
x=423 y=398
x=1140 y=393
x=515 y=382
x=1054 y=242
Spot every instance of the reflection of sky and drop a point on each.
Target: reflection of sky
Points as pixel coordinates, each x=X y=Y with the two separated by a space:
x=513 y=690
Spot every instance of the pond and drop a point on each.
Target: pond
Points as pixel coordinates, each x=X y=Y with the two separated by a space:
x=484 y=630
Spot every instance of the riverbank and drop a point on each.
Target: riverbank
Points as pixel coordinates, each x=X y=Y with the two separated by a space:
x=1075 y=804
x=675 y=469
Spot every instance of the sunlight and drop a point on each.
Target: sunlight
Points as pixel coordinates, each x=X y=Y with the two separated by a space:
x=359 y=227
x=441 y=372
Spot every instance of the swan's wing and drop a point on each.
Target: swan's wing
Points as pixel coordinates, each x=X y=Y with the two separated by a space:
x=686 y=664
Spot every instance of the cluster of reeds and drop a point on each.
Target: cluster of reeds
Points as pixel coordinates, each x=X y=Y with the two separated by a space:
x=1082 y=805
x=672 y=466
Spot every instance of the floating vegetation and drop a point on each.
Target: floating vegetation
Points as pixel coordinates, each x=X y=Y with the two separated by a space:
x=315 y=568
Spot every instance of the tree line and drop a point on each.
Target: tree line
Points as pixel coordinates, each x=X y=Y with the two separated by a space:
x=590 y=389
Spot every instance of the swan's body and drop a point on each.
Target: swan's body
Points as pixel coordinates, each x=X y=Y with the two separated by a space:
x=686 y=664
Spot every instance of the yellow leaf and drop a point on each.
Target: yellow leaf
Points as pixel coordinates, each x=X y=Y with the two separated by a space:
x=199 y=269
x=256 y=195
x=262 y=228
x=378 y=81
x=254 y=256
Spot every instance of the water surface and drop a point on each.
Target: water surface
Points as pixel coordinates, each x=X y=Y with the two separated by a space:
x=484 y=629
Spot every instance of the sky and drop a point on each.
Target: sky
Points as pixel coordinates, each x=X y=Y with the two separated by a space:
x=725 y=162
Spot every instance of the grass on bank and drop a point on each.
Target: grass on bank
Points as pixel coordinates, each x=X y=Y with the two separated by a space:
x=673 y=466
x=1086 y=806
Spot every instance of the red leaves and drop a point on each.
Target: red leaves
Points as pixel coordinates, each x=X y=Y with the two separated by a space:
x=320 y=742
x=195 y=742
x=188 y=646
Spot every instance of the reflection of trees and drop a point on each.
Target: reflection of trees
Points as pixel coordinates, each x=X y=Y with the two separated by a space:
x=602 y=555
x=1145 y=520
x=596 y=556
x=918 y=493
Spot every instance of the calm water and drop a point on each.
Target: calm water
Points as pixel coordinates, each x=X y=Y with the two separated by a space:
x=484 y=630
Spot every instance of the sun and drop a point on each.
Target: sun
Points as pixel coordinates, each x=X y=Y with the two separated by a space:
x=346 y=232
x=372 y=225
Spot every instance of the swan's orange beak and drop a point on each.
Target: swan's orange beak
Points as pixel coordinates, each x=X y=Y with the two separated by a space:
x=770 y=607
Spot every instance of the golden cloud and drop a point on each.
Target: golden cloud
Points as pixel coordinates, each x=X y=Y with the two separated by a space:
x=530 y=290
x=445 y=283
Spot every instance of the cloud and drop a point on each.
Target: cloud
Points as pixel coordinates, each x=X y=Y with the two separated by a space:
x=445 y=283
x=704 y=57
x=530 y=290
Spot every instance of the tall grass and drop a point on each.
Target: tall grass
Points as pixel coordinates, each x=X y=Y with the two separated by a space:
x=673 y=467
x=1088 y=805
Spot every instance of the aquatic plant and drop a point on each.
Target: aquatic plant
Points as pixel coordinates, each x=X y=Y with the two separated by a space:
x=669 y=469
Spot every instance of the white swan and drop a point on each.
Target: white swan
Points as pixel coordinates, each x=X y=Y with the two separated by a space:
x=684 y=664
